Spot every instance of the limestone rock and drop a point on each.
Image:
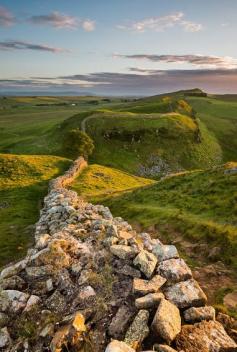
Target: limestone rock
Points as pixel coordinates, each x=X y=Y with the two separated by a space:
x=13 y=269
x=5 y=339
x=167 y=321
x=207 y=336
x=123 y=252
x=195 y=315
x=120 y=321
x=138 y=330
x=146 y=262
x=13 y=300
x=186 y=294
x=165 y=252
x=174 y=270
x=143 y=287
x=31 y=303
x=118 y=346
x=149 y=301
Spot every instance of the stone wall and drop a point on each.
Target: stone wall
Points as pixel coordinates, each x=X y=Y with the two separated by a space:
x=92 y=283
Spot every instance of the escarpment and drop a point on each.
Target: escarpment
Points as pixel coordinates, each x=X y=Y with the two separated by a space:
x=92 y=283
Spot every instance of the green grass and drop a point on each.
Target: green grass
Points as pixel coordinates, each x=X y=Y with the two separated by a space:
x=97 y=182
x=201 y=205
x=23 y=183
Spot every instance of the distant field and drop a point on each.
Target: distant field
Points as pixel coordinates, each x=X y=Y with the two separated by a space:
x=23 y=184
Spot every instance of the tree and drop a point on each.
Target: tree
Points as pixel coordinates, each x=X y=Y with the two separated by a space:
x=78 y=143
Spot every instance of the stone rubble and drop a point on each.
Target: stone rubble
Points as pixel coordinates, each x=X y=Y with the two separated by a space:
x=92 y=283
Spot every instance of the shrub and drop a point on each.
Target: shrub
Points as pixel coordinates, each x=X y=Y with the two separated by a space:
x=78 y=143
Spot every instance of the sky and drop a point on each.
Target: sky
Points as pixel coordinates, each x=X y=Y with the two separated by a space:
x=118 y=47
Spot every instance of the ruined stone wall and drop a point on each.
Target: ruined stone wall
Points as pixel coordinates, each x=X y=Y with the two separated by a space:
x=92 y=283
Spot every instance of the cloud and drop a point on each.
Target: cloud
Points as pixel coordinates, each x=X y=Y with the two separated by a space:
x=197 y=60
x=6 y=18
x=57 y=20
x=161 y=23
x=22 y=45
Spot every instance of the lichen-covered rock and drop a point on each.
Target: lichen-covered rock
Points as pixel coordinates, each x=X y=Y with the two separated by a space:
x=174 y=270
x=5 y=339
x=128 y=271
x=186 y=294
x=149 y=301
x=167 y=321
x=14 y=269
x=118 y=346
x=56 y=302
x=12 y=283
x=123 y=252
x=143 y=287
x=146 y=262
x=165 y=252
x=36 y=272
x=196 y=315
x=138 y=330
x=120 y=322
x=205 y=337
x=13 y=301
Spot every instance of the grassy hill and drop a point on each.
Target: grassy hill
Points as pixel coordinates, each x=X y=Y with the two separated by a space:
x=200 y=204
x=97 y=182
x=23 y=183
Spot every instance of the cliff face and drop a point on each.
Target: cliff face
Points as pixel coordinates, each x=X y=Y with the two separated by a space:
x=92 y=283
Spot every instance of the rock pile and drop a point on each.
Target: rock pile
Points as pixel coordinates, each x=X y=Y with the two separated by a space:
x=92 y=283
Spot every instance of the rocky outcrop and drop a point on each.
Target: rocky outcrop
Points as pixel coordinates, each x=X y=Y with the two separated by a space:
x=92 y=283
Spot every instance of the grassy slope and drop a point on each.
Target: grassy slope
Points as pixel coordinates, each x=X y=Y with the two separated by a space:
x=199 y=204
x=97 y=182
x=23 y=183
x=220 y=117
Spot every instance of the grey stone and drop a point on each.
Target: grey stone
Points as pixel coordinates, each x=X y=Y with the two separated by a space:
x=13 y=300
x=138 y=330
x=128 y=271
x=86 y=292
x=56 y=302
x=149 y=301
x=36 y=272
x=120 y=321
x=123 y=252
x=195 y=315
x=146 y=262
x=167 y=321
x=143 y=287
x=174 y=270
x=165 y=252
x=5 y=339
x=186 y=294
x=13 y=269
x=12 y=283
x=118 y=346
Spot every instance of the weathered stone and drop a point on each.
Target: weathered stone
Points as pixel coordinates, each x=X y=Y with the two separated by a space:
x=165 y=252
x=56 y=302
x=138 y=330
x=120 y=322
x=112 y=231
x=42 y=241
x=186 y=294
x=167 y=321
x=31 y=303
x=13 y=301
x=174 y=270
x=146 y=262
x=13 y=269
x=76 y=268
x=12 y=283
x=123 y=252
x=149 y=301
x=143 y=287
x=118 y=346
x=36 y=272
x=49 y=285
x=207 y=336
x=5 y=339
x=48 y=330
x=86 y=292
x=128 y=271
x=195 y=315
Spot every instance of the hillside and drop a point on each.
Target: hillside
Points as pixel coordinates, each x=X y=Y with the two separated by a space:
x=23 y=184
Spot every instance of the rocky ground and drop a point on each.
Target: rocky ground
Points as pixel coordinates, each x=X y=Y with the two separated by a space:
x=93 y=283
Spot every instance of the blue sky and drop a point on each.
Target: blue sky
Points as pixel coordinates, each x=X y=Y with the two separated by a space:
x=118 y=46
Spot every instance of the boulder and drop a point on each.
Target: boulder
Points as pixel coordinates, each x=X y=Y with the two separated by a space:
x=174 y=270
x=138 y=330
x=196 y=315
x=167 y=321
x=186 y=294
x=149 y=301
x=123 y=252
x=146 y=262
x=143 y=287
x=165 y=252
x=118 y=346
x=207 y=336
